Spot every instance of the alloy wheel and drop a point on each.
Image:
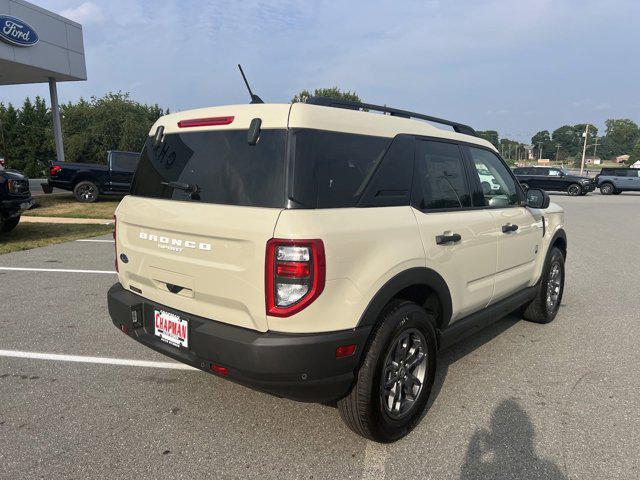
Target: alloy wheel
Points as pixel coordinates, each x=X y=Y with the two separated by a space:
x=554 y=285
x=404 y=373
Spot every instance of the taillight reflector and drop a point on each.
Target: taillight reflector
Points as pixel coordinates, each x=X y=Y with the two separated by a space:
x=219 y=369
x=205 y=122
x=55 y=169
x=345 y=350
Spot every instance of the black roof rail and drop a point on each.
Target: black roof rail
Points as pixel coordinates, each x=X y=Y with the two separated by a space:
x=394 y=112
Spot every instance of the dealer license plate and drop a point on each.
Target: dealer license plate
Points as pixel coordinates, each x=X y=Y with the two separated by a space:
x=170 y=328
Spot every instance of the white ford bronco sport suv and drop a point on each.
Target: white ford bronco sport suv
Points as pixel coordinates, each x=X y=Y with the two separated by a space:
x=325 y=251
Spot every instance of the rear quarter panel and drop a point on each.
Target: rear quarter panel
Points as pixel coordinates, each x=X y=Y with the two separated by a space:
x=364 y=247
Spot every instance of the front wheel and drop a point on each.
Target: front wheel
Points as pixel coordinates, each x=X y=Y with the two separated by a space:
x=544 y=307
x=574 y=190
x=6 y=225
x=394 y=383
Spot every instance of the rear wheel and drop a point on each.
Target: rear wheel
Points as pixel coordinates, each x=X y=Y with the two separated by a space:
x=393 y=385
x=607 y=189
x=544 y=307
x=574 y=190
x=6 y=225
x=86 y=191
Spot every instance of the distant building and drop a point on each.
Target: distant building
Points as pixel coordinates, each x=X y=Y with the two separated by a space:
x=593 y=161
x=543 y=161
x=622 y=158
x=636 y=165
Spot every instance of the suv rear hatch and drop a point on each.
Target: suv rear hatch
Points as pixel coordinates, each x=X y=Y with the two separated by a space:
x=204 y=204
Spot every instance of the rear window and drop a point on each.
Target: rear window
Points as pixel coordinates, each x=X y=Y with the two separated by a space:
x=332 y=169
x=125 y=162
x=214 y=167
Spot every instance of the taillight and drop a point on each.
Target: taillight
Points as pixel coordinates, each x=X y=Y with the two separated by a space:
x=55 y=169
x=115 y=244
x=205 y=122
x=294 y=275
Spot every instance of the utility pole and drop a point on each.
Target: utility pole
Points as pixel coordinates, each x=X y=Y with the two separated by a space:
x=539 y=150
x=595 y=146
x=584 y=147
x=557 y=152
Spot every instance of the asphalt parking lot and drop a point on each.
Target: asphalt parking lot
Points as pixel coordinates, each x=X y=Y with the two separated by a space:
x=518 y=400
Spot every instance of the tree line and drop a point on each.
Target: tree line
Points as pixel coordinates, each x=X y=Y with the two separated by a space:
x=89 y=128
x=116 y=122
x=566 y=143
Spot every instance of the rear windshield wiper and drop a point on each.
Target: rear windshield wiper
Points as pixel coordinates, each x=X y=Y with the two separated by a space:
x=187 y=187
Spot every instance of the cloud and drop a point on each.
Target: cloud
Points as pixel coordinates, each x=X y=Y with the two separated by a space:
x=85 y=13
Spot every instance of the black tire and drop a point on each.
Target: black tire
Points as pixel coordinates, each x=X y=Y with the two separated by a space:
x=607 y=188
x=525 y=186
x=363 y=409
x=6 y=225
x=617 y=192
x=86 y=191
x=539 y=310
x=574 y=190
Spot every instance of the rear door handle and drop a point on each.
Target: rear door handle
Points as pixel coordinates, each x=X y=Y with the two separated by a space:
x=442 y=239
x=509 y=227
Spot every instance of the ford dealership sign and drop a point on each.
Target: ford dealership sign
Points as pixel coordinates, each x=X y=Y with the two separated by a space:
x=17 y=32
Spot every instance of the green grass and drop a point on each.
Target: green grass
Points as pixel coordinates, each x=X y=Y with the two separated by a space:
x=33 y=235
x=66 y=206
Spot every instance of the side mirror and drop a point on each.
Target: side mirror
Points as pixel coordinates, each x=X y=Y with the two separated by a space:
x=537 y=198
x=254 y=131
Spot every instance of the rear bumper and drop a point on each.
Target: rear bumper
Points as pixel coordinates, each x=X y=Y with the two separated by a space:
x=297 y=366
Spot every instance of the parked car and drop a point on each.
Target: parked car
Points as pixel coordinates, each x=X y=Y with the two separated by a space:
x=617 y=180
x=329 y=255
x=553 y=179
x=88 y=180
x=15 y=198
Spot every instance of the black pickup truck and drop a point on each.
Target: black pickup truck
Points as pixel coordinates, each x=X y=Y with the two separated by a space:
x=553 y=179
x=88 y=180
x=15 y=198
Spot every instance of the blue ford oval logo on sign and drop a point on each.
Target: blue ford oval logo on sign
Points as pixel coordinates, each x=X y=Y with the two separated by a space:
x=17 y=32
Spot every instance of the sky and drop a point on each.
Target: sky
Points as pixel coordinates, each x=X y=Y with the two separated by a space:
x=513 y=66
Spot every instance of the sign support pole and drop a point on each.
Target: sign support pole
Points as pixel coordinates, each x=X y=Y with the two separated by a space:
x=57 y=126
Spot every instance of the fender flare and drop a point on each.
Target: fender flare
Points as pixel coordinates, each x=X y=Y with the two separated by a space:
x=560 y=234
x=407 y=278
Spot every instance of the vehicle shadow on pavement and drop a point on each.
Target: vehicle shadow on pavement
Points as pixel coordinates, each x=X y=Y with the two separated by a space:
x=464 y=347
x=506 y=449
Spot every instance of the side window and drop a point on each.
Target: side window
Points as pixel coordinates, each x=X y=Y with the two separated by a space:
x=498 y=186
x=124 y=162
x=554 y=173
x=440 y=180
x=623 y=173
x=391 y=182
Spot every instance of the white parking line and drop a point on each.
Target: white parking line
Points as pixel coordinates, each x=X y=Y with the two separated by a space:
x=95 y=240
x=101 y=360
x=59 y=270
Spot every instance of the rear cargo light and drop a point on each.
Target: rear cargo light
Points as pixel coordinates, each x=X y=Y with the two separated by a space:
x=55 y=169
x=294 y=275
x=205 y=122
x=115 y=245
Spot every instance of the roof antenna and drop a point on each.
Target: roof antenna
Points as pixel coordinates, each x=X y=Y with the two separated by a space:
x=254 y=98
